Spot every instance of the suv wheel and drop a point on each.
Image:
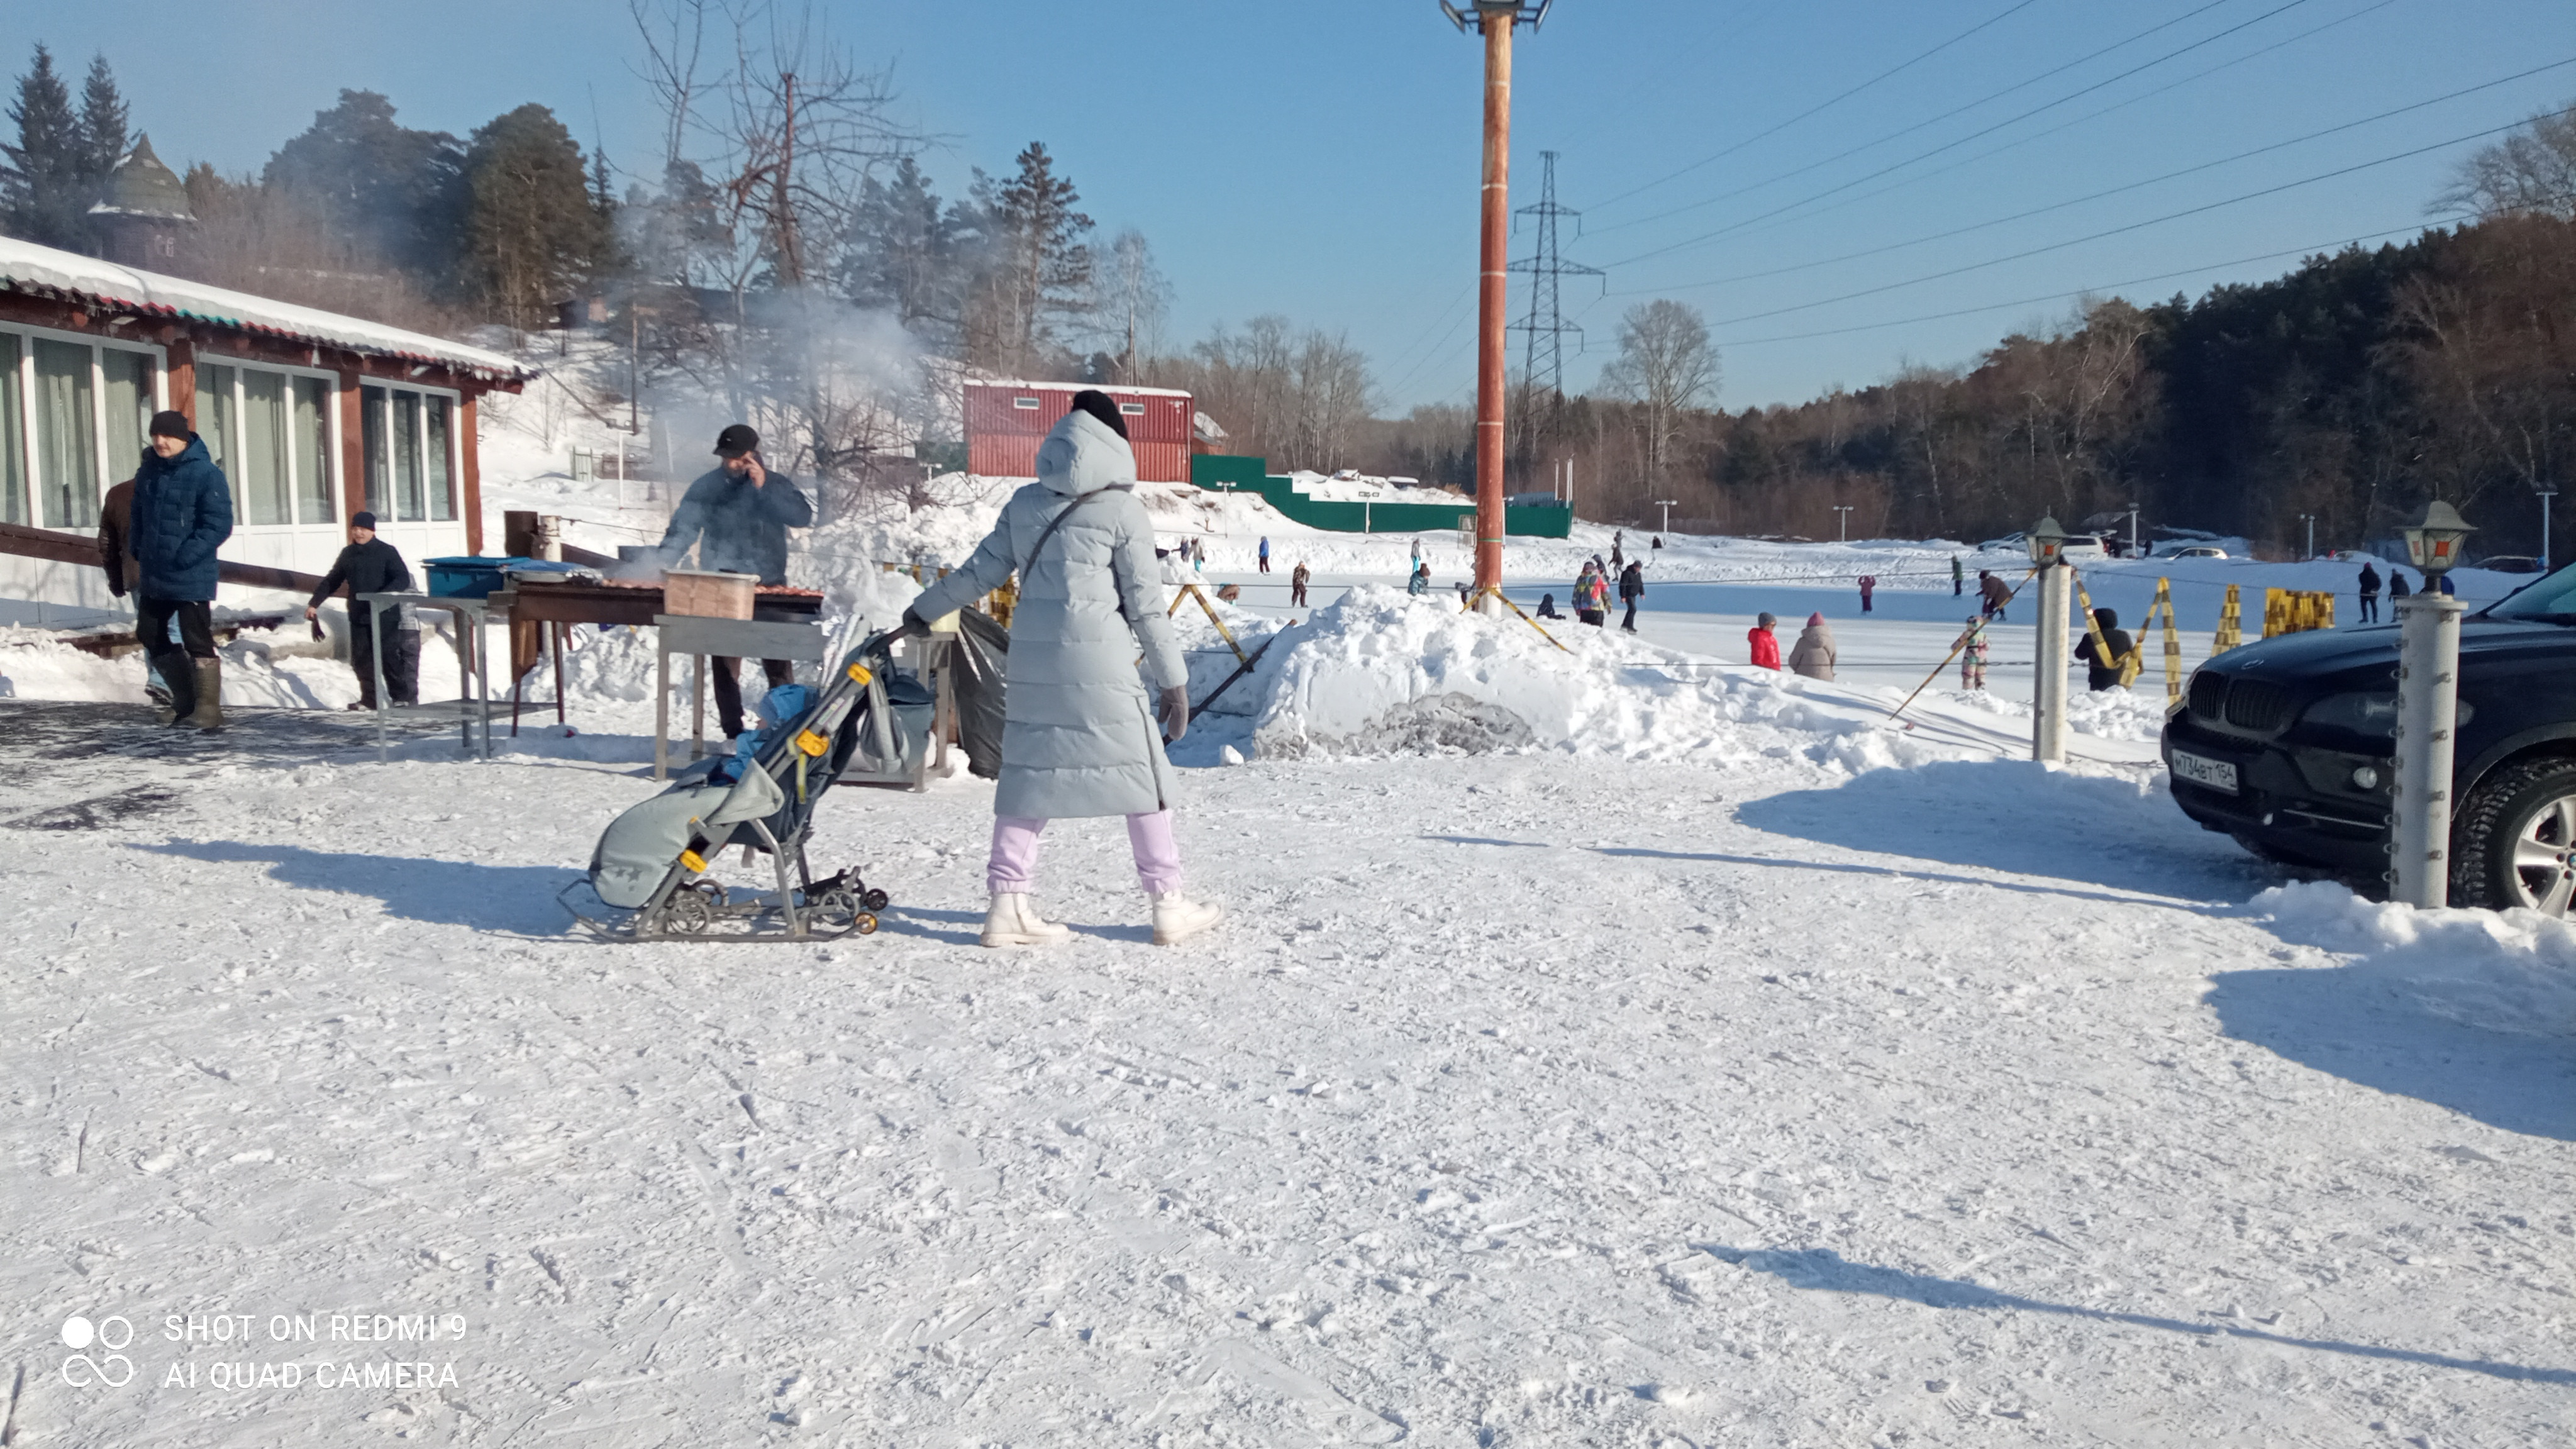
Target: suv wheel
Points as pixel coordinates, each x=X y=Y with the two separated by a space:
x=2515 y=843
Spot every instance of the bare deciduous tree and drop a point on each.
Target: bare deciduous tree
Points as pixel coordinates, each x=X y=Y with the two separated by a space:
x=1133 y=298
x=1665 y=365
x=2532 y=171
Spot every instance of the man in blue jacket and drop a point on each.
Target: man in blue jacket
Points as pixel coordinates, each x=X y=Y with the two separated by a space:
x=183 y=511
x=737 y=517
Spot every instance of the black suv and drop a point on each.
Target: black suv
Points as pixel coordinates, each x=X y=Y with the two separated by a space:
x=2287 y=745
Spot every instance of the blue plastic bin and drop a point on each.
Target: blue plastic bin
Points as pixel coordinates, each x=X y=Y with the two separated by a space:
x=469 y=576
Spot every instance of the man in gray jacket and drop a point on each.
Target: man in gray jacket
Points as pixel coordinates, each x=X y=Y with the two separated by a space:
x=737 y=516
x=1080 y=735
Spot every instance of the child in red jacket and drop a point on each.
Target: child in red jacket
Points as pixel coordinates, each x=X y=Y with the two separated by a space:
x=1766 y=645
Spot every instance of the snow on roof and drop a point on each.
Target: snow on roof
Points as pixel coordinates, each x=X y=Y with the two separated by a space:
x=68 y=276
x=1074 y=387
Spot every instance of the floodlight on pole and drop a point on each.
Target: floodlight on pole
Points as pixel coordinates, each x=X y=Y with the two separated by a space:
x=1842 y=519
x=1666 y=504
x=2310 y=520
x=1495 y=20
x=2546 y=491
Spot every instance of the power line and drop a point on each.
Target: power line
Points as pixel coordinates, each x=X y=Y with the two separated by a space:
x=1963 y=140
x=2135 y=225
x=2113 y=191
x=2062 y=126
x=1917 y=126
x=2409 y=228
x=1821 y=105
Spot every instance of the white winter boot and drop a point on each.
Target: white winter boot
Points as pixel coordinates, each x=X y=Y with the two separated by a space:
x=1177 y=917
x=1012 y=921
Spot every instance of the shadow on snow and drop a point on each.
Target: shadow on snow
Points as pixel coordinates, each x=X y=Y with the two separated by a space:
x=516 y=898
x=1824 y=1270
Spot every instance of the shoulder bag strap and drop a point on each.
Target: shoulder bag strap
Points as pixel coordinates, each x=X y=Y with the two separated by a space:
x=1058 y=522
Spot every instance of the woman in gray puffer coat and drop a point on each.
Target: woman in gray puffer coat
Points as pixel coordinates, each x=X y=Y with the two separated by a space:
x=1080 y=735
x=1813 y=655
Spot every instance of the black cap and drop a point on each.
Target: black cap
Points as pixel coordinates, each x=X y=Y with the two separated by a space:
x=1097 y=403
x=363 y=520
x=167 y=424
x=736 y=440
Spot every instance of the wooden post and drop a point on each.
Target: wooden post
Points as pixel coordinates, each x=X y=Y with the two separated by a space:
x=353 y=445
x=471 y=475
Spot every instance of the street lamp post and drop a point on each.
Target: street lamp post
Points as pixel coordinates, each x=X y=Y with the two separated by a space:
x=1842 y=518
x=1666 y=504
x=2428 y=695
x=2546 y=491
x=2047 y=542
x=2310 y=520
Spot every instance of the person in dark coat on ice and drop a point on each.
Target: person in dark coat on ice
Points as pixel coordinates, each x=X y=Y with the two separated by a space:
x=737 y=517
x=182 y=513
x=2101 y=673
x=2369 y=594
x=369 y=565
x=1632 y=587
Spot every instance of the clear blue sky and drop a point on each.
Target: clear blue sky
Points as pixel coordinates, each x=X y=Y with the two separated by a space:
x=1320 y=160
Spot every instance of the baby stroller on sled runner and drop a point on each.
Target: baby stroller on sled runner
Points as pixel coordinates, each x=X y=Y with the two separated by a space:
x=651 y=875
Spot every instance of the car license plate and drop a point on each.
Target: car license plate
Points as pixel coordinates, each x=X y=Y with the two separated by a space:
x=2215 y=774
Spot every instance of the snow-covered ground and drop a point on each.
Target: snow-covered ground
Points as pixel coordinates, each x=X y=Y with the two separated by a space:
x=1609 y=1045
x=1552 y=1096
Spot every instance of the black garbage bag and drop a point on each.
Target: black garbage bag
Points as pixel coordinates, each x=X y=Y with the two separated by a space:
x=982 y=649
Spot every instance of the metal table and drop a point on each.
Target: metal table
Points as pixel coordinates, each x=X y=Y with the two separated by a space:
x=700 y=637
x=470 y=614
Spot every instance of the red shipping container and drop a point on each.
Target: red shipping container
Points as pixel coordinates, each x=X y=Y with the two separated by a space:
x=1005 y=422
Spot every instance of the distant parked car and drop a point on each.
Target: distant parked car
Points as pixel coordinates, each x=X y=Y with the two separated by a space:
x=2197 y=550
x=2078 y=545
x=2509 y=563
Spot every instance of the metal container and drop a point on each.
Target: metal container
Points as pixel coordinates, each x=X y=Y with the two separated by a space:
x=1005 y=422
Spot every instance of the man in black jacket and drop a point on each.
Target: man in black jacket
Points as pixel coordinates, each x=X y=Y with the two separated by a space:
x=1632 y=587
x=2100 y=673
x=369 y=565
x=737 y=517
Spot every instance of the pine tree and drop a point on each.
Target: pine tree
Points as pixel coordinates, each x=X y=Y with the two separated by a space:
x=908 y=254
x=531 y=232
x=46 y=183
x=391 y=191
x=1038 y=269
x=103 y=120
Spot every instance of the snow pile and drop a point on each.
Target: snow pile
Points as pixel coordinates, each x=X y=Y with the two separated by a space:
x=2509 y=971
x=2117 y=714
x=1382 y=672
x=263 y=668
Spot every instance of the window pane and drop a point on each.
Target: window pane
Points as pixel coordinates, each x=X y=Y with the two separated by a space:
x=13 y=436
x=264 y=446
x=442 y=488
x=217 y=423
x=373 y=428
x=409 y=506
x=66 y=435
x=312 y=451
x=129 y=408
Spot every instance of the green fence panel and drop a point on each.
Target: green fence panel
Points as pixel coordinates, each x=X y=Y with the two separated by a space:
x=1252 y=475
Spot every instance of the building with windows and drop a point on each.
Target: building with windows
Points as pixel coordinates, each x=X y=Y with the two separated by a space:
x=313 y=416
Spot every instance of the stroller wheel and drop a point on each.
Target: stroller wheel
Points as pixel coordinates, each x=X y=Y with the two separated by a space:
x=836 y=904
x=865 y=924
x=875 y=900
x=688 y=912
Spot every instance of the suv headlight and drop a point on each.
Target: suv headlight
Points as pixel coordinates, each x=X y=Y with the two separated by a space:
x=2372 y=712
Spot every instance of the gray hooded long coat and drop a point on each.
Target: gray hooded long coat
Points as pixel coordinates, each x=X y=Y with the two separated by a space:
x=1079 y=736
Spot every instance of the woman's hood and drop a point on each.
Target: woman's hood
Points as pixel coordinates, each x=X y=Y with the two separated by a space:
x=1081 y=454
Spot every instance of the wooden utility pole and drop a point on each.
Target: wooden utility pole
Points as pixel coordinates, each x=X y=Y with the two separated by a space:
x=1495 y=20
